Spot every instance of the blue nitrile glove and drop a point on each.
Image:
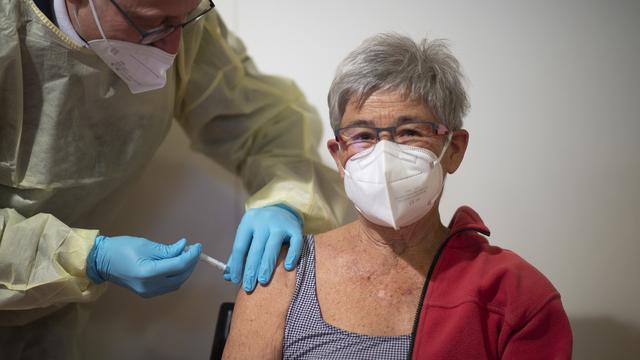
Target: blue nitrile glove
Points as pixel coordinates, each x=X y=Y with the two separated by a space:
x=259 y=238
x=143 y=266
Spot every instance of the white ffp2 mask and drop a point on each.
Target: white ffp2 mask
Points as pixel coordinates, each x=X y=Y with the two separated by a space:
x=394 y=185
x=142 y=67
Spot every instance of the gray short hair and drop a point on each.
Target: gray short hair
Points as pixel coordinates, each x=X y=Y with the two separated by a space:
x=425 y=71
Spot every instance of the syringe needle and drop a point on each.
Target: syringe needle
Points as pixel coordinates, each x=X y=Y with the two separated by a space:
x=213 y=262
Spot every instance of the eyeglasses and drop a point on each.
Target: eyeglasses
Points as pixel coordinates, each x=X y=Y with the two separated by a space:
x=357 y=138
x=164 y=30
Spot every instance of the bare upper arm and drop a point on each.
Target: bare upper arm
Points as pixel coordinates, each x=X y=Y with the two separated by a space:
x=257 y=325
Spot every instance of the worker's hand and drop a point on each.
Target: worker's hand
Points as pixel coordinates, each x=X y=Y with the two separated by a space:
x=145 y=267
x=260 y=236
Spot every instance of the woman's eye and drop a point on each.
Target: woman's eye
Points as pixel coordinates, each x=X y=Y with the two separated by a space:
x=408 y=133
x=362 y=136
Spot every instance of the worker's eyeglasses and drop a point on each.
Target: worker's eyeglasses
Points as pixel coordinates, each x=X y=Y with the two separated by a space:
x=356 y=138
x=162 y=31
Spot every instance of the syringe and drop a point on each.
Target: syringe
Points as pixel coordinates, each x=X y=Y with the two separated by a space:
x=213 y=262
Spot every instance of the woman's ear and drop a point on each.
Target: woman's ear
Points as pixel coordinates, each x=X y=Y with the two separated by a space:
x=334 y=149
x=455 y=153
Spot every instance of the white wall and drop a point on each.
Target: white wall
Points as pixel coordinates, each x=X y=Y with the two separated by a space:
x=552 y=165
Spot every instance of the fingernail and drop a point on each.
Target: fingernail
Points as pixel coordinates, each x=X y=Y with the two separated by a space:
x=233 y=276
x=264 y=275
x=249 y=282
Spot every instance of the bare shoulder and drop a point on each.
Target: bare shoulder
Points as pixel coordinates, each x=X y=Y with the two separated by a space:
x=333 y=243
x=257 y=326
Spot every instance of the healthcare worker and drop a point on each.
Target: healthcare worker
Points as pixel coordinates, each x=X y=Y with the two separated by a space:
x=88 y=91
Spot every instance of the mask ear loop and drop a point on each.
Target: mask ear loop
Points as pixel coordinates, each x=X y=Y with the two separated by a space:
x=444 y=150
x=95 y=18
x=344 y=170
x=75 y=15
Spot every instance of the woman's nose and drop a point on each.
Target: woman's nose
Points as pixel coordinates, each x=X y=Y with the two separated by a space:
x=385 y=135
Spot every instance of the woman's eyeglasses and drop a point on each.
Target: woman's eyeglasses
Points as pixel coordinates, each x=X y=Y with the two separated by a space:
x=357 y=138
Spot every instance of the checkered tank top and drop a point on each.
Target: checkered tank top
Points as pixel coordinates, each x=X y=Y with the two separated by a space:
x=308 y=336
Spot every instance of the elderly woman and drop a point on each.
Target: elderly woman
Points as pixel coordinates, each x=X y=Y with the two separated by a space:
x=397 y=283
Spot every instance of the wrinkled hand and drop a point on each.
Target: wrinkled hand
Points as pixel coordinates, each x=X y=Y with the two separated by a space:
x=143 y=266
x=260 y=236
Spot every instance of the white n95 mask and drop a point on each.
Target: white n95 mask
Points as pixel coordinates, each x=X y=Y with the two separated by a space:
x=394 y=185
x=142 y=67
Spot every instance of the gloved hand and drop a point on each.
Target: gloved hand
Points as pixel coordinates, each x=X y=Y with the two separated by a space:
x=259 y=238
x=143 y=266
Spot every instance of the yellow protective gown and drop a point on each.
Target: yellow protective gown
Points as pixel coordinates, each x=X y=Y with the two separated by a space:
x=71 y=132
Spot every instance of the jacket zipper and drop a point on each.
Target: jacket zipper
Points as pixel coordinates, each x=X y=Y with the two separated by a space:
x=424 y=292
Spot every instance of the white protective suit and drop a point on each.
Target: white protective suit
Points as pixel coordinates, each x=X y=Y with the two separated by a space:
x=71 y=132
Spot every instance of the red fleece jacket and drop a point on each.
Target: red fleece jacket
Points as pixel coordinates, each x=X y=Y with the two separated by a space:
x=484 y=302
